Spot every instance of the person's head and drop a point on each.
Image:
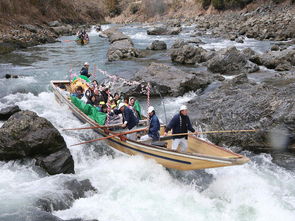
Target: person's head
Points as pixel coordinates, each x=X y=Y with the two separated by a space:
x=86 y=65
x=126 y=100
x=121 y=106
x=96 y=91
x=116 y=96
x=131 y=101
x=183 y=110
x=79 y=90
x=95 y=83
x=112 y=102
x=102 y=87
x=151 y=110
x=101 y=103
x=104 y=108
x=92 y=98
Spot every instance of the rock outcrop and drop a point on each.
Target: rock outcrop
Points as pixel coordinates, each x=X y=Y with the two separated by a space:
x=231 y=61
x=187 y=54
x=26 y=135
x=5 y=113
x=164 y=30
x=157 y=45
x=242 y=104
x=168 y=81
x=121 y=46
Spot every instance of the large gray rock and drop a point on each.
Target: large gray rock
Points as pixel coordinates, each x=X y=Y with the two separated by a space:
x=75 y=190
x=121 y=45
x=167 y=80
x=230 y=61
x=164 y=30
x=188 y=54
x=63 y=30
x=26 y=135
x=242 y=104
x=272 y=59
x=157 y=45
x=5 y=113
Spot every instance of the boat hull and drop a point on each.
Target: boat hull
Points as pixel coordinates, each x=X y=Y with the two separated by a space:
x=200 y=155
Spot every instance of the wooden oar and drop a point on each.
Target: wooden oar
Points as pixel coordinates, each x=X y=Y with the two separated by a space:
x=114 y=135
x=94 y=127
x=211 y=132
x=102 y=126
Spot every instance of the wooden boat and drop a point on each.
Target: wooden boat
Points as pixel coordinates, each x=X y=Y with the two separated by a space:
x=200 y=154
x=82 y=41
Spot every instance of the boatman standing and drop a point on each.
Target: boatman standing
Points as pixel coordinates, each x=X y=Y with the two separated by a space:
x=129 y=119
x=180 y=123
x=84 y=70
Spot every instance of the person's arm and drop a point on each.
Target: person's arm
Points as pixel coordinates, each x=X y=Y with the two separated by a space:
x=171 y=124
x=190 y=128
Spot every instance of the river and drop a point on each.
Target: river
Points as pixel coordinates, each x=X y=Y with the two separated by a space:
x=131 y=187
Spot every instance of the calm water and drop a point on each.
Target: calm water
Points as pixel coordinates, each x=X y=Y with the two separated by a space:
x=131 y=188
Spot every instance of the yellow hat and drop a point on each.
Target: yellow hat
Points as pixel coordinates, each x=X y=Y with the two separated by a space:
x=102 y=102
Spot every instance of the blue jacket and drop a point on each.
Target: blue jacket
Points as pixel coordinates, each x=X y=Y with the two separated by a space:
x=154 y=128
x=84 y=71
x=180 y=124
x=128 y=115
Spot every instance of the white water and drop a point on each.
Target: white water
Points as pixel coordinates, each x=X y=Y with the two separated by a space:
x=133 y=188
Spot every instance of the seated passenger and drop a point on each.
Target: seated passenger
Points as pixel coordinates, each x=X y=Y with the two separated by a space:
x=135 y=107
x=79 y=93
x=84 y=70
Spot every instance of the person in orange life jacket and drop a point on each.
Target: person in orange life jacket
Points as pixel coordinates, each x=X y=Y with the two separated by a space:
x=154 y=126
x=180 y=123
x=129 y=119
x=84 y=70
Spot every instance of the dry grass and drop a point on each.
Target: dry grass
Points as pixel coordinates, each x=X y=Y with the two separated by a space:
x=40 y=11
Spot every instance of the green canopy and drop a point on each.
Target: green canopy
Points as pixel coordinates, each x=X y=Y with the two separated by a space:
x=82 y=77
x=89 y=110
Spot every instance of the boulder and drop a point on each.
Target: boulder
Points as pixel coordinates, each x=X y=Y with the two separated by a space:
x=242 y=104
x=230 y=61
x=164 y=30
x=188 y=54
x=63 y=30
x=8 y=76
x=157 y=45
x=272 y=59
x=166 y=80
x=5 y=113
x=196 y=41
x=75 y=190
x=118 y=36
x=122 y=49
x=26 y=135
x=284 y=159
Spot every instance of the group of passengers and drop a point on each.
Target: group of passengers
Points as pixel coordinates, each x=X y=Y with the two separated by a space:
x=98 y=95
x=82 y=35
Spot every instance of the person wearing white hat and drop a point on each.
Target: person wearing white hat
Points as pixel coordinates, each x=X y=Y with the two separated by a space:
x=154 y=126
x=129 y=119
x=84 y=70
x=180 y=123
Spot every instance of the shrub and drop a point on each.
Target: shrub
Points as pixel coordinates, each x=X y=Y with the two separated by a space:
x=154 y=7
x=218 y=4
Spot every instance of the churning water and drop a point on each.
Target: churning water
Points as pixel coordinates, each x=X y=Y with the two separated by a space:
x=129 y=187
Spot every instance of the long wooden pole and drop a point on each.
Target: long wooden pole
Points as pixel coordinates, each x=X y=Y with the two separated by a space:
x=107 y=137
x=211 y=132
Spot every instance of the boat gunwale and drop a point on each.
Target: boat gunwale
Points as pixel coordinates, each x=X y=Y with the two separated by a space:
x=162 y=150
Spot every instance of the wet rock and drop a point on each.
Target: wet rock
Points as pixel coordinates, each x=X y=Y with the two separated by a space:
x=26 y=135
x=8 y=76
x=239 y=40
x=230 y=61
x=75 y=190
x=5 y=113
x=121 y=50
x=196 y=41
x=167 y=80
x=164 y=30
x=6 y=48
x=284 y=159
x=275 y=48
x=243 y=104
x=121 y=46
x=285 y=66
x=179 y=43
x=30 y=214
x=157 y=45
x=188 y=54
